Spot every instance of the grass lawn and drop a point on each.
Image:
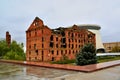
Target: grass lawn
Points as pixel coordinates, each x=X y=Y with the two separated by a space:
x=107 y=58
x=100 y=60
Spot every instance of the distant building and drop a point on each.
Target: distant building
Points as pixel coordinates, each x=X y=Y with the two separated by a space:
x=8 y=39
x=45 y=44
x=110 y=46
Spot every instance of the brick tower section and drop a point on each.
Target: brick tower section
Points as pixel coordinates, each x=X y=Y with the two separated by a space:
x=37 y=41
x=45 y=44
x=8 y=39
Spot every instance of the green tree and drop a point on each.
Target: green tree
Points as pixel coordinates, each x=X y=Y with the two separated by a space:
x=12 y=55
x=87 y=55
x=3 y=48
x=14 y=52
x=16 y=47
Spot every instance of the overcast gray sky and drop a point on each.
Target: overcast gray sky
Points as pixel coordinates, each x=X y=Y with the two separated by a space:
x=17 y=15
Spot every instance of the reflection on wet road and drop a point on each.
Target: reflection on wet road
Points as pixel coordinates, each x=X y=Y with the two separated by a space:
x=18 y=72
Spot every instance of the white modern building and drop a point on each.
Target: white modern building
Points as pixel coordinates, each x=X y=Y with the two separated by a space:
x=96 y=30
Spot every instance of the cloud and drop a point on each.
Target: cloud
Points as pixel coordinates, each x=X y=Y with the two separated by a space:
x=16 y=15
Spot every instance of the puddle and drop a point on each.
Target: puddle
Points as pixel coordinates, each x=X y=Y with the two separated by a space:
x=19 y=72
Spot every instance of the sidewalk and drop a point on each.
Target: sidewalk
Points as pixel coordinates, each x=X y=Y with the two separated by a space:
x=87 y=68
x=112 y=73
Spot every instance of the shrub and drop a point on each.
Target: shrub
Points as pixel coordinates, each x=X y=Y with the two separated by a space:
x=87 y=55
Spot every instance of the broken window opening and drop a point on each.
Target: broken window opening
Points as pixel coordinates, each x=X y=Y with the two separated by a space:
x=69 y=45
x=72 y=35
x=61 y=52
x=69 y=40
x=57 y=52
x=36 y=51
x=51 y=44
x=63 y=33
x=64 y=46
x=69 y=51
x=56 y=38
x=52 y=51
x=42 y=31
x=35 y=33
x=51 y=38
x=29 y=46
x=42 y=39
x=53 y=58
x=63 y=40
x=42 y=45
x=72 y=46
x=68 y=33
x=56 y=45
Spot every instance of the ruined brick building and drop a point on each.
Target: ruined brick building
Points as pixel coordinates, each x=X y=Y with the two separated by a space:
x=8 y=39
x=45 y=44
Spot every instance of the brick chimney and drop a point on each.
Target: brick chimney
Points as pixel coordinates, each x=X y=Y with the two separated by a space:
x=8 y=39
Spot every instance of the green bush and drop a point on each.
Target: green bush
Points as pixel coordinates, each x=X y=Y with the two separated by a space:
x=87 y=55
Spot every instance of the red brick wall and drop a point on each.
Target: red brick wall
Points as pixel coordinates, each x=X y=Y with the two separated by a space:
x=8 y=38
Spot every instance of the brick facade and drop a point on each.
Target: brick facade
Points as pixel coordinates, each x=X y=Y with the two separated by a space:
x=45 y=44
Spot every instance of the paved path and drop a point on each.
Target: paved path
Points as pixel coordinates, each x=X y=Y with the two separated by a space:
x=87 y=68
x=112 y=73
